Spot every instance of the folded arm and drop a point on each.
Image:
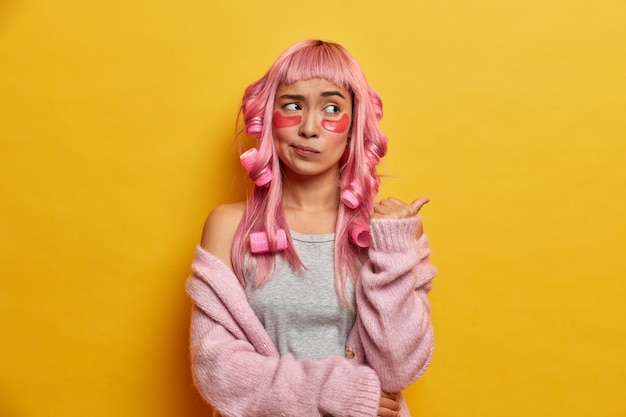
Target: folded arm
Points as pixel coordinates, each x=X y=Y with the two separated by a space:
x=393 y=309
x=237 y=369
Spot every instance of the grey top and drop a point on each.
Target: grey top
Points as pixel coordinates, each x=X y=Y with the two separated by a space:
x=302 y=313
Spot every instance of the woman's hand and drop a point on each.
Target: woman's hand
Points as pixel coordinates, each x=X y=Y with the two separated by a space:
x=392 y=208
x=389 y=405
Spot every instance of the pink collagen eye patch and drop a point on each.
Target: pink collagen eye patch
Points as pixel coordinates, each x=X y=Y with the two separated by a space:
x=337 y=126
x=281 y=121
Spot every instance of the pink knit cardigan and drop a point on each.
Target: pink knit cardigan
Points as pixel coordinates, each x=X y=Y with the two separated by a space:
x=239 y=371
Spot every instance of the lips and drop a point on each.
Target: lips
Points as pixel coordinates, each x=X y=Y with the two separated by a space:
x=306 y=150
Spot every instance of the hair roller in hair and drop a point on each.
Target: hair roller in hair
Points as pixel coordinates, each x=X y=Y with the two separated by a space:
x=259 y=243
x=253 y=114
x=248 y=159
x=254 y=127
x=264 y=177
x=350 y=196
x=360 y=234
x=281 y=240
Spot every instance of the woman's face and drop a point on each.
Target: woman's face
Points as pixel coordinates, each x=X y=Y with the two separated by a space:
x=311 y=125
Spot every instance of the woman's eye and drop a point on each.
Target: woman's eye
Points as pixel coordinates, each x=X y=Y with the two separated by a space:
x=292 y=106
x=332 y=109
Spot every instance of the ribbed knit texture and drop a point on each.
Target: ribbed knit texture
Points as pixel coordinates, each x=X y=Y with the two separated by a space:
x=393 y=309
x=238 y=370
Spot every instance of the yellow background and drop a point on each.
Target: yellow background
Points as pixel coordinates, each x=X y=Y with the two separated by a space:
x=116 y=119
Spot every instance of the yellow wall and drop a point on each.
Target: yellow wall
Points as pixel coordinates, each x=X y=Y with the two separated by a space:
x=115 y=127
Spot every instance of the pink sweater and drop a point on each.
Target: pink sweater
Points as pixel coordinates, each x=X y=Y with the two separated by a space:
x=239 y=371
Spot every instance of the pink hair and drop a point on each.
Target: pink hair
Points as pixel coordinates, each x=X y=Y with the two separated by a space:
x=359 y=180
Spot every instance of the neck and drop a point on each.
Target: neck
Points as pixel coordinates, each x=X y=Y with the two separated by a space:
x=311 y=192
x=311 y=195
x=311 y=207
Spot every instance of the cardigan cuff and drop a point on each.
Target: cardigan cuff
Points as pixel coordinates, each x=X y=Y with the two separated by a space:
x=393 y=235
x=358 y=399
x=369 y=389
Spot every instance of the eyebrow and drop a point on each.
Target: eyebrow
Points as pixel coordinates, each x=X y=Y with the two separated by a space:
x=330 y=93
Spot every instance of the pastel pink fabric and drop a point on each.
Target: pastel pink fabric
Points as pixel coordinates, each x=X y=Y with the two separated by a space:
x=237 y=369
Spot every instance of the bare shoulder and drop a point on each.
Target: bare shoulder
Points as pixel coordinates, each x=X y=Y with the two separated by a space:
x=219 y=230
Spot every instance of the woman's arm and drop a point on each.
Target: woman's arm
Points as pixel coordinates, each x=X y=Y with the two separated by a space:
x=235 y=365
x=393 y=309
x=238 y=370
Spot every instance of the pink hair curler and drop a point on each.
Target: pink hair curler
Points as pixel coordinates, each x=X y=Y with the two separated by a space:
x=353 y=192
x=360 y=234
x=259 y=242
x=349 y=199
x=264 y=177
x=350 y=196
x=254 y=127
x=248 y=159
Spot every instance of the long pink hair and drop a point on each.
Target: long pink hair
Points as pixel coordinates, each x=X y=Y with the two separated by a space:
x=366 y=146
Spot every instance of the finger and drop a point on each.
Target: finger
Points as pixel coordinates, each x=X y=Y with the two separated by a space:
x=389 y=400
x=385 y=412
x=390 y=206
x=418 y=203
x=381 y=209
x=390 y=395
x=398 y=208
x=389 y=404
x=391 y=202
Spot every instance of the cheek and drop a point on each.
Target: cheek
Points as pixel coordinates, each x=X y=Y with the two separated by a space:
x=281 y=121
x=337 y=126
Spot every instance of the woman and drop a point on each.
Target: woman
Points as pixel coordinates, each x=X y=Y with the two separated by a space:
x=309 y=298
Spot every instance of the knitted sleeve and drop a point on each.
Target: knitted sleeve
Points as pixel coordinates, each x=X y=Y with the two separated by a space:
x=393 y=309
x=237 y=369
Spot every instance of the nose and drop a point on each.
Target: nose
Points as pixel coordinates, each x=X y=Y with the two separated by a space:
x=309 y=127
